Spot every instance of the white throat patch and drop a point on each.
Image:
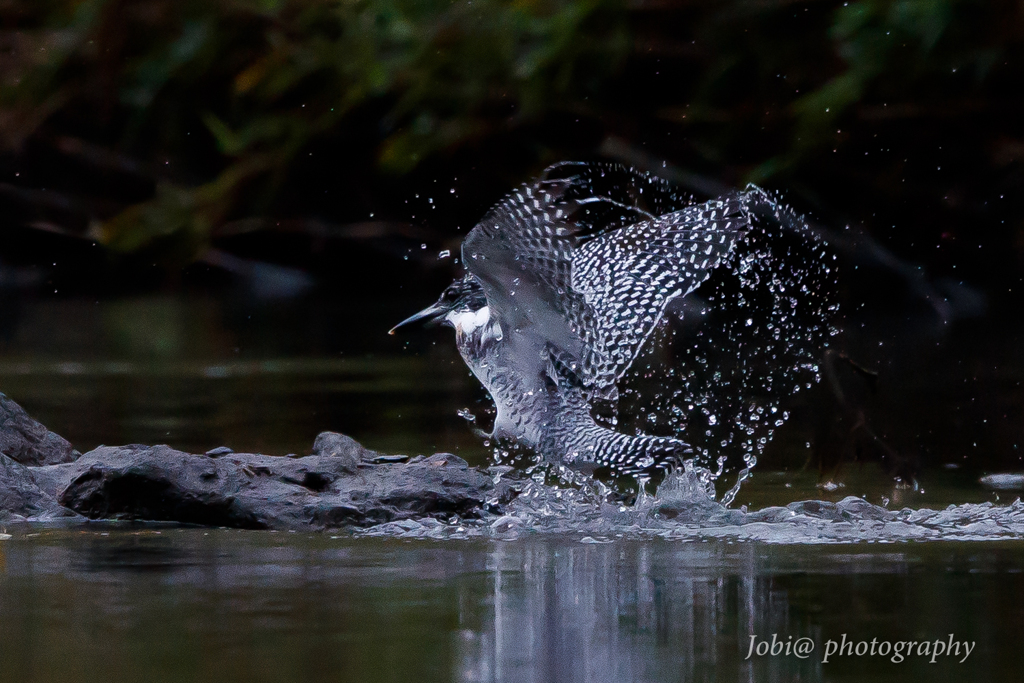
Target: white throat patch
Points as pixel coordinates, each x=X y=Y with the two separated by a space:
x=468 y=322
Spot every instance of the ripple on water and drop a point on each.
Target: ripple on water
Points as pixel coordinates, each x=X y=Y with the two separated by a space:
x=682 y=510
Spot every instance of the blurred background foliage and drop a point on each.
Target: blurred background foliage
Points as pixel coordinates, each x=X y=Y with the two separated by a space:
x=211 y=103
x=161 y=126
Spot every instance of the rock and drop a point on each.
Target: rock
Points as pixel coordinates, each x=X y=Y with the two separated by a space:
x=386 y=459
x=858 y=508
x=154 y=483
x=345 y=448
x=1003 y=482
x=848 y=509
x=341 y=484
x=21 y=499
x=771 y=515
x=327 y=490
x=443 y=459
x=818 y=509
x=27 y=441
x=52 y=479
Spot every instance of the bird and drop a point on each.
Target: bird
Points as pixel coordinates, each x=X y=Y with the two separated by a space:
x=566 y=279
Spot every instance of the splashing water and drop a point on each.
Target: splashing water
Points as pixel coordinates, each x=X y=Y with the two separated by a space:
x=684 y=509
x=739 y=346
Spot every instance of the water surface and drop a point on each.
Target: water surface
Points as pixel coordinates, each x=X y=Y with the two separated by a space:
x=104 y=603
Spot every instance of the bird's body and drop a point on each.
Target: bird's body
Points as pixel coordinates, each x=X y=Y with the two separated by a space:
x=567 y=278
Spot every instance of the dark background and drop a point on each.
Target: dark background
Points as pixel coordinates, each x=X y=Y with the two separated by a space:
x=304 y=162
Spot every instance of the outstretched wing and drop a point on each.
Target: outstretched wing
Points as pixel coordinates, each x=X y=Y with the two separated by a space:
x=584 y=260
x=521 y=252
x=629 y=275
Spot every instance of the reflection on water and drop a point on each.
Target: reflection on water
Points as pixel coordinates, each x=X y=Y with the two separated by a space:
x=172 y=604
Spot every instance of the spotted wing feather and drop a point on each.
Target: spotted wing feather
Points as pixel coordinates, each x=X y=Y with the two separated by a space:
x=585 y=259
x=521 y=252
x=628 y=276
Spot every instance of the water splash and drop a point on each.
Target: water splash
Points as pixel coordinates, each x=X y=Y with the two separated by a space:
x=721 y=368
x=685 y=510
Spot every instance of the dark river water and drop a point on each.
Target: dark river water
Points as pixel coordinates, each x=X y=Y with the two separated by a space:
x=168 y=604
x=143 y=603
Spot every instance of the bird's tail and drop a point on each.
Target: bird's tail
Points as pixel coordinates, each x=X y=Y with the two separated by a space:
x=599 y=447
x=576 y=440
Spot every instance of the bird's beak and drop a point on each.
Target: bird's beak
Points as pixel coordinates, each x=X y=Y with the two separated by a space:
x=432 y=314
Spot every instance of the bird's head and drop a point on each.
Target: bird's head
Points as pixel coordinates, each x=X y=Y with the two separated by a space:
x=460 y=305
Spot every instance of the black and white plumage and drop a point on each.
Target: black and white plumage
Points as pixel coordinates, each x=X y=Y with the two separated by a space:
x=567 y=278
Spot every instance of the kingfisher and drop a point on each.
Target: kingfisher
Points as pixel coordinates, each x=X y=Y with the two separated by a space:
x=566 y=279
